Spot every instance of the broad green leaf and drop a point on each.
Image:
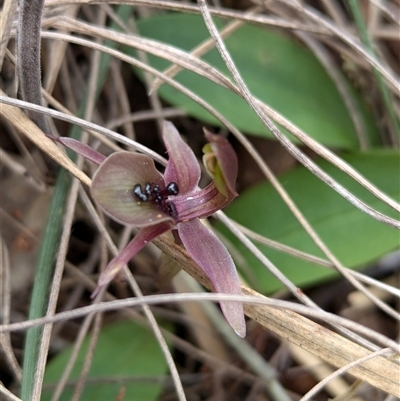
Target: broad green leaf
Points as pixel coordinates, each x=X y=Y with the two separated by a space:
x=126 y=353
x=354 y=237
x=278 y=69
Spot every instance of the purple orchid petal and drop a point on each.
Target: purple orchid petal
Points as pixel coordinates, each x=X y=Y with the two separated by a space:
x=82 y=149
x=200 y=204
x=139 y=241
x=211 y=255
x=113 y=184
x=226 y=163
x=183 y=167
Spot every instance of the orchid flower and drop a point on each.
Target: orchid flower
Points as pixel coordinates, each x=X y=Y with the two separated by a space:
x=130 y=189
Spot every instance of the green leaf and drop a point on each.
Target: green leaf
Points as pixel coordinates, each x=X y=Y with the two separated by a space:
x=354 y=237
x=125 y=354
x=277 y=69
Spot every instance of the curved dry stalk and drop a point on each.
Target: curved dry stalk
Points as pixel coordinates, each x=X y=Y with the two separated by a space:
x=329 y=156
x=161 y=340
x=281 y=247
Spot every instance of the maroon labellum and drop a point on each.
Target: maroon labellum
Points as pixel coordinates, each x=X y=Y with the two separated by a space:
x=153 y=193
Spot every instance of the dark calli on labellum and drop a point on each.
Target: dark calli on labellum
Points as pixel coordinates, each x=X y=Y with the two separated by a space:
x=130 y=189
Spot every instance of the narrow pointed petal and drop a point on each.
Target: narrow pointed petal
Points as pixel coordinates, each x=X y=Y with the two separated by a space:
x=200 y=204
x=226 y=161
x=82 y=149
x=211 y=255
x=183 y=167
x=139 y=241
x=113 y=183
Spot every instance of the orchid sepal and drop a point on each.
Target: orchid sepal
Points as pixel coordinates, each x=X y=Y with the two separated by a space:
x=139 y=241
x=82 y=149
x=182 y=166
x=200 y=204
x=211 y=255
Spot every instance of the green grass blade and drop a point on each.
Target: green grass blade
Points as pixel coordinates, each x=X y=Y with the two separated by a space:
x=43 y=277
